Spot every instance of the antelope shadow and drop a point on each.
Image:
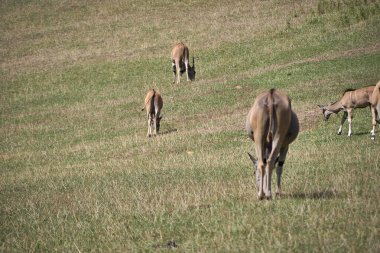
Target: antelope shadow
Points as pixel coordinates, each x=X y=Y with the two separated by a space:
x=169 y=131
x=324 y=194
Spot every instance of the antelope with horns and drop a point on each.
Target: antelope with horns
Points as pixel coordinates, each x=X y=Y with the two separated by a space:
x=180 y=63
x=153 y=106
x=375 y=103
x=351 y=99
x=272 y=125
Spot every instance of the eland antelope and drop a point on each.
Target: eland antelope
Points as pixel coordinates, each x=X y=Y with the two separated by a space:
x=351 y=99
x=375 y=103
x=272 y=125
x=153 y=106
x=180 y=63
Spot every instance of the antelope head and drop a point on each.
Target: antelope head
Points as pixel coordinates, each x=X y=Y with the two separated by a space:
x=254 y=161
x=325 y=111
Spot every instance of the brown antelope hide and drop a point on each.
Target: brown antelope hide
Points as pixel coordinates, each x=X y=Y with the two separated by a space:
x=375 y=103
x=153 y=106
x=351 y=99
x=180 y=63
x=272 y=125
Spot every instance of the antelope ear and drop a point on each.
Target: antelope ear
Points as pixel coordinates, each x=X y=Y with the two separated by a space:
x=321 y=106
x=252 y=158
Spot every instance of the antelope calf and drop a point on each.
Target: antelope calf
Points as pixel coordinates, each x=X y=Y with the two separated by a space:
x=180 y=63
x=351 y=99
x=153 y=106
x=272 y=125
x=375 y=103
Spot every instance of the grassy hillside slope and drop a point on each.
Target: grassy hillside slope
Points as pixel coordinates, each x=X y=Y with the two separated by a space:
x=77 y=172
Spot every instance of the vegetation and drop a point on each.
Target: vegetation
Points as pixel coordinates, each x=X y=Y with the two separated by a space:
x=77 y=172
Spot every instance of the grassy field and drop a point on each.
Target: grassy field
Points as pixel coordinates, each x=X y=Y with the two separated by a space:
x=78 y=174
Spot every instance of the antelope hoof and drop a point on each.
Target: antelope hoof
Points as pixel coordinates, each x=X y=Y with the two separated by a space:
x=339 y=132
x=260 y=196
x=149 y=135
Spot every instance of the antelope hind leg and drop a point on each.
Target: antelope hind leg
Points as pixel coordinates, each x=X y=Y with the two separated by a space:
x=149 y=134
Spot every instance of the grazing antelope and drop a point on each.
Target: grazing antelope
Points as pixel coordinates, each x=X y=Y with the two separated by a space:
x=180 y=63
x=272 y=125
x=375 y=102
x=153 y=106
x=351 y=99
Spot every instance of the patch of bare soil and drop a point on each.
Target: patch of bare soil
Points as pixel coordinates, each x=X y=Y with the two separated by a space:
x=308 y=118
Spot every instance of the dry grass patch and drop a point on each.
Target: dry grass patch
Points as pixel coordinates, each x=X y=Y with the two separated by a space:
x=70 y=33
x=78 y=172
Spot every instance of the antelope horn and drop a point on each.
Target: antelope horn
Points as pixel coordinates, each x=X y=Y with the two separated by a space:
x=253 y=159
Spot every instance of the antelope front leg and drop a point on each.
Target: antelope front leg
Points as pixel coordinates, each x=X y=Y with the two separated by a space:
x=258 y=180
x=178 y=73
x=174 y=72
x=268 y=177
x=373 y=111
x=281 y=161
x=349 y=122
x=187 y=70
x=279 y=173
x=344 y=117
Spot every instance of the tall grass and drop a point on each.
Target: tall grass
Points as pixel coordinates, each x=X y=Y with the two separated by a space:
x=78 y=173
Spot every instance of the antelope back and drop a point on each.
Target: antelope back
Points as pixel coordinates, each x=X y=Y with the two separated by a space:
x=293 y=130
x=148 y=101
x=158 y=103
x=180 y=52
x=357 y=98
x=375 y=97
x=270 y=114
x=153 y=102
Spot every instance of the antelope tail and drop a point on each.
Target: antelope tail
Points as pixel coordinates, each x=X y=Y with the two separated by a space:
x=270 y=112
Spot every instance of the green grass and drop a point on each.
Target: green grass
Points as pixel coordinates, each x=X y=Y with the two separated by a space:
x=77 y=172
